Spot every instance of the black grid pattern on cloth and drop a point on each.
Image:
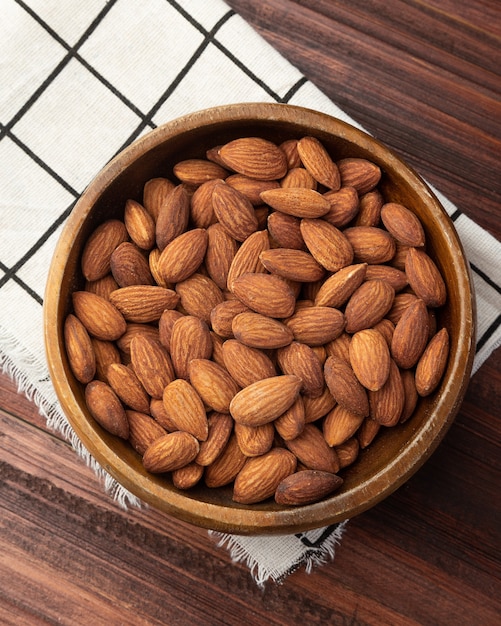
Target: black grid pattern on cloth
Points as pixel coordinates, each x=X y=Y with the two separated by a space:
x=72 y=53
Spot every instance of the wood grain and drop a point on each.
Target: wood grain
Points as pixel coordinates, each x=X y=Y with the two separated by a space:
x=424 y=76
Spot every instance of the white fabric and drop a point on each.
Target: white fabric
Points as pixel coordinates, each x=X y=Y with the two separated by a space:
x=79 y=81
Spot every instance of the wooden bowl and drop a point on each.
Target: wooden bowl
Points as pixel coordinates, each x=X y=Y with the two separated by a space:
x=396 y=453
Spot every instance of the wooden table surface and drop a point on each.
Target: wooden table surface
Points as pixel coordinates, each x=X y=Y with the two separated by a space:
x=424 y=76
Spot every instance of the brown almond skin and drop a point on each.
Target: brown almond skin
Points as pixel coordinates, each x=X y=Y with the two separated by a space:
x=101 y=319
x=312 y=450
x=220 y=429
x=403 y=224
x=183 y=255
x=260 y=476
x=128 y=388
x=266 y=294
x=246 y=365
x=306 y=487
x=387 y=403
x=170 y=452
x=254 y=157
x=265 y=400
x=335 y=290
x=316 y=325
x=410 y=335
x=129 y=266
x=259 y=331
x=432 y=364
x=298 y=359
x=318 y=162
x=79 y=349
x=99 y=247
x=143 y=430
x=185 y=408
x=214 y=384
x=345 y=387
x=152 y=364
x=327 y=244
x=106 y=408
x=140 y=225
x=190 y=339
x=234 y=211
x=425 y=278
x=370 y=358
x=292 y=264
x=368 y=305
x=173 y=216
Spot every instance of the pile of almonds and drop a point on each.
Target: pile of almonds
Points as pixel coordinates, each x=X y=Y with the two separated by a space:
x=256 y=322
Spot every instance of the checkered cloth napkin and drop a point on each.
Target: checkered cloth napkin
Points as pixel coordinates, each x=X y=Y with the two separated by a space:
x=79 y=82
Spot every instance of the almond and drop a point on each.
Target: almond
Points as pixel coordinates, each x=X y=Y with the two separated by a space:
x=79 y=349
x=431 y=366
x=316 y=325
x=370 y=244
x=370 y=358
x=255 y=440
x=291 y=423
x=306 y=487
x=226 y=466
x=285 y=230
x=101 y=318
x=99 y=247
x=317 y=161
x=265 y=400
x=246 y=259
x=297 y=201
x=260 y=476
x=183 y=255
x=298 y=359
x=143 y=430
x=140 y=225
x=129 y=266
x=410 y=335
x=170 y=452
x=327 y=244
x=128 y=388
x=246 y=365
x=368 y=305
x=312 y=450
x=254 y=157
x=155 y=193
x=214 y=384
x=173 y=216
x=221 y=250
x=362 y=174
x=335 y=290
x=152 y=364
x=403 y=224
x=292 y=264
x=425 y=278
x=259 y=331
x=339 y=425
x=220 y=427
x=199 y=294
x=251 y=187
x=234 y=211
x=343 y=206
x=106 y=408
x=143 y=303
x=345 y=387
x=387 y=403
x=185 y=408
x=198 y=171
x=267 y=294
x=190 y=339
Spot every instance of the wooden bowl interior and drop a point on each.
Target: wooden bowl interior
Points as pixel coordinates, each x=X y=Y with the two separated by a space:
x=397 y=452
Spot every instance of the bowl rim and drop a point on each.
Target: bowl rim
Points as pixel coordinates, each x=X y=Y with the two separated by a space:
x=247 y=520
